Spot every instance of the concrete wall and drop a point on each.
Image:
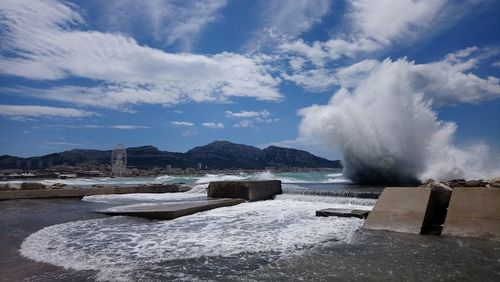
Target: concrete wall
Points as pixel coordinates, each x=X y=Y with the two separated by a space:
x=403 y=210
x=248 y=190
x=474 y=212
x=81 y=192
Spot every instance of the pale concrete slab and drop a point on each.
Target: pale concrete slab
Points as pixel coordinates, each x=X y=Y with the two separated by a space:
x=81 y=192
x=170 y=210
x=404 y=210
x=248 y=190
x=474 y=212
x=343 y=213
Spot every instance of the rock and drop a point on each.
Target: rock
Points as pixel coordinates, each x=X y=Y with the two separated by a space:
x=97 y=186
x=12 y=186
x=4 y=187
x=476 y=183
x=427 y=182
x=58 y=185
x=32 y=186
x=456 y=183
x=494 y=182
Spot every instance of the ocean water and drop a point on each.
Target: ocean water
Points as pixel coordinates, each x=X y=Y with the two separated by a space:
x=277 y=240
x=285 y=177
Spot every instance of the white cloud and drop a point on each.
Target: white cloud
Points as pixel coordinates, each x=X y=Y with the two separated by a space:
x=63 y=144
x=22 y=112
x=369 y=28
x=213 y=125
x=389 y=20
x=448 y=81
x=167 y=21
x=248 y=114
x=249 y=118
x=122 y=126
x=189 y=133
x=46 y=44
x=181 y=123
x=245 y=123
x=443 y=82
x=285 y=19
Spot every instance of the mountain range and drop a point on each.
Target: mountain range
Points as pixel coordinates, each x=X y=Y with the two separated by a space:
x=216 y=155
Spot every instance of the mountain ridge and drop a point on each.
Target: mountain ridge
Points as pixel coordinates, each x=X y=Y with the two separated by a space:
x=215 y=155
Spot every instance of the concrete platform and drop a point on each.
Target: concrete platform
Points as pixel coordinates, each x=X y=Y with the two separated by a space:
x=474 y=212
x=343 y=213
x=402 y=209
x=170 y=210
x=81 y=192
x=248 y=190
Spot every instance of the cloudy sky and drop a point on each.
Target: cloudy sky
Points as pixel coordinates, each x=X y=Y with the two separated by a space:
x=177 y=74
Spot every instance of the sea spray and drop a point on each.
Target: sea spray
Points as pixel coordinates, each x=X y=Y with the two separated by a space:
x=388 y=132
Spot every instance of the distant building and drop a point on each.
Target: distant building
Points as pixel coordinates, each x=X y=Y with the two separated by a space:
x=199 y=165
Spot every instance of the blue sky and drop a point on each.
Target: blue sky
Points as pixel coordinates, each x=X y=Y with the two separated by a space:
x=177 y=74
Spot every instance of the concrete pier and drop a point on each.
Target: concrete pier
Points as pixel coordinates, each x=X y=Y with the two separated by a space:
x=343 y=213
x=402 y=209
x=248 y=190
x=81 y=192
x=170 y=210
x=474 y=212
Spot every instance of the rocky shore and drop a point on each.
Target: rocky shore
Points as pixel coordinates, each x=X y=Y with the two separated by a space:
x=449 y=185
x=56 y=186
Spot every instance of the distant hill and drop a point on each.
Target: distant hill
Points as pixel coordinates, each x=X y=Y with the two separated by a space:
x=216 y=155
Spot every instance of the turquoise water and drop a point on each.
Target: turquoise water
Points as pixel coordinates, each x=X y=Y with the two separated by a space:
x=285 y=177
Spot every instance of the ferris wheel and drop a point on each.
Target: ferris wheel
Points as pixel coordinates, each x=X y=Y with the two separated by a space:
x=118 y=161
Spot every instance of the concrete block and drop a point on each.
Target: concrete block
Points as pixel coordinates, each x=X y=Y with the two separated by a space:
x=343 y=213
x=248 y=190
x=402 y=209
x=474 y=212
x=170 y=210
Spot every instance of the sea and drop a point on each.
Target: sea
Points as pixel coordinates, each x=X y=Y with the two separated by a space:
x=274 y=240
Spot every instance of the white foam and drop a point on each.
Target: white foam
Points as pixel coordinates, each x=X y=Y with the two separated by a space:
x=118 y=246
x=220 y=177
x=164 y=177
x=142 y=197
x=200 y=188
x=338 y=202
x=337 y=180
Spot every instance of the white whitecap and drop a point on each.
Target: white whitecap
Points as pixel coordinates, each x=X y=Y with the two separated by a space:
x=119 y=247
x=220 y=177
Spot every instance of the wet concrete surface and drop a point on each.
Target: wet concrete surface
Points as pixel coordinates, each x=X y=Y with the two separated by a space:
x=20 y=218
